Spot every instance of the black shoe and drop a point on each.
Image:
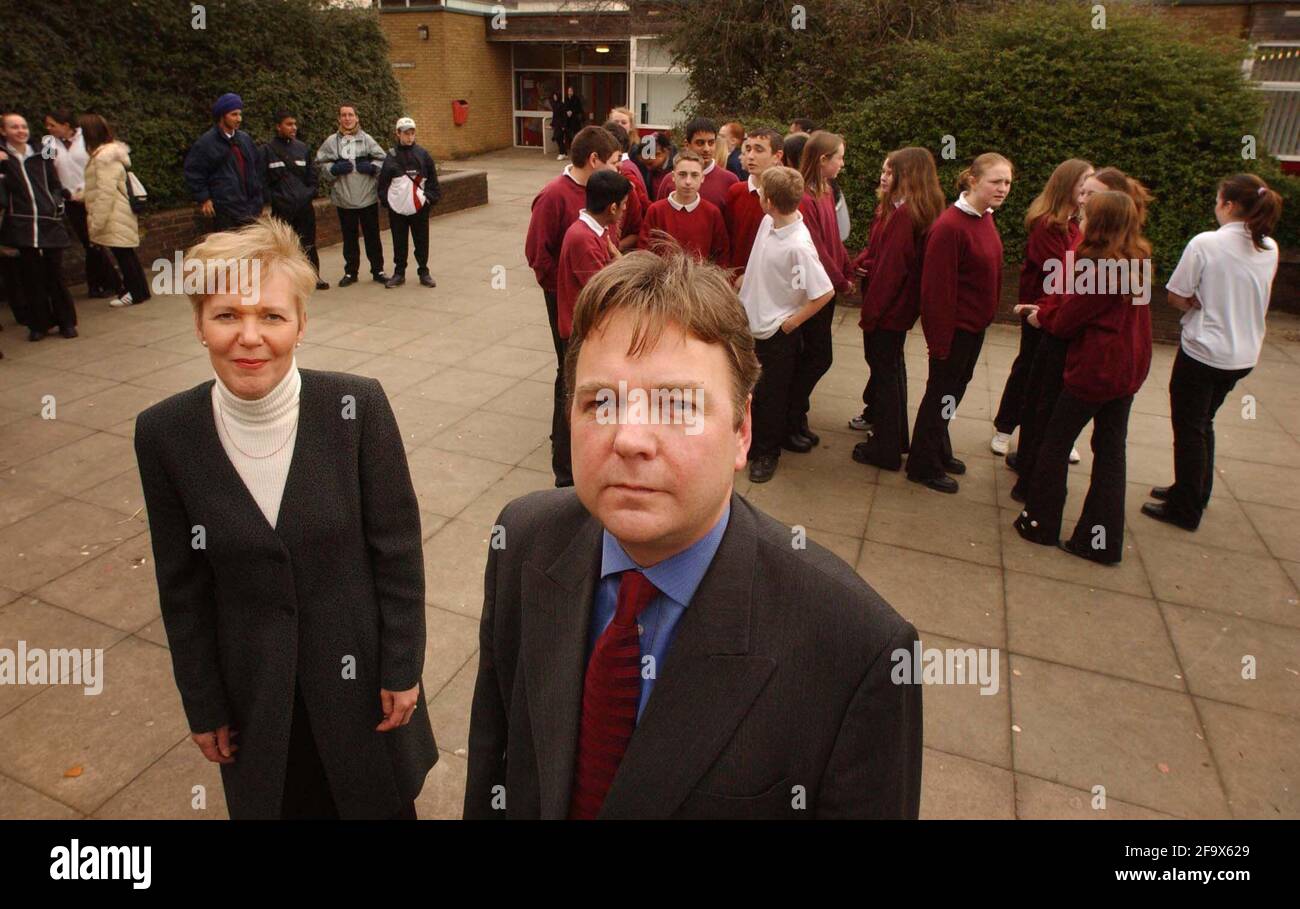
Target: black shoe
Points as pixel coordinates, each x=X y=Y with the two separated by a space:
x=1162 y=512
x=379 y=277
x=348 y=280
x=1030 y=532
x=797 y=443
x=322 y=285
x=941 y=483
x=34 y=335
x=397 y=280
x=862 y=454
x=426 y=280
x=1013 y=461
x=68 y=332
x=1084 y=552
x=1160 y=492
x=762 y=468
x=1019 y=494
x=955 y=466
x=811 y=436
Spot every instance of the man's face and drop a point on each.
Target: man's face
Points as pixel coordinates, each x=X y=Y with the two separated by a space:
x=687 y=177
x=15 y=130
x=231 y=121
x=756 y=154
x=656 y=484
x=287 y=128
x=347 y=119
x=406 y=136
x=704 y=144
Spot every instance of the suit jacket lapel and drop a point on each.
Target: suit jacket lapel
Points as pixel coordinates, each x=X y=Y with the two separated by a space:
x=310 y=454
x=705 y=687
x=556 y=608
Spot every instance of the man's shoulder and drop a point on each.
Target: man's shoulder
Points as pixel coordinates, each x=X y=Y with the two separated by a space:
x=541 y=522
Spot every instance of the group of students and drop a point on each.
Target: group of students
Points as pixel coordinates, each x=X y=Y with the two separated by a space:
x=1084 y=352
x=230 y=178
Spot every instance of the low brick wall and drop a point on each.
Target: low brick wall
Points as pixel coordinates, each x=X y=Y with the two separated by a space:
x=164 y=232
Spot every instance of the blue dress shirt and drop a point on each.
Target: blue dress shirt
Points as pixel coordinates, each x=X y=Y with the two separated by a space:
x=675 y=578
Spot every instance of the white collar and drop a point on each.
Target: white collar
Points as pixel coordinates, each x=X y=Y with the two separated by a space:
x=672 y=200
x=585 y=217
x=970 y=209
x=712 y=164
x=1239 y=226
x=568 y=172
x=753 y=184
x=782 y=231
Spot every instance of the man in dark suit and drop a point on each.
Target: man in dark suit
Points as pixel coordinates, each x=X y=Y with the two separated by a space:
x=653 y=645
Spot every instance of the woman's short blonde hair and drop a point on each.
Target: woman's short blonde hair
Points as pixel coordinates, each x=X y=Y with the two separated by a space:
x=268 y=242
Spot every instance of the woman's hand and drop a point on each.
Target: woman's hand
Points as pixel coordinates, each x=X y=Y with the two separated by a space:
x=398 y=707
x=1022 y=309
x=1033 y=318
x=217 y=746
x=3 y=156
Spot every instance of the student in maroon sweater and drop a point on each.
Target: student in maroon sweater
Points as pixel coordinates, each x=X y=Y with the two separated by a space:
x=1053 y=225
x=959 y=295
x=628 y=228
x=589 y=243
x=702 y=138
x=1108 y=359
x=554 y=209
x=820 y=163
x=910 y=200
x=694 y=222
x=761 y=150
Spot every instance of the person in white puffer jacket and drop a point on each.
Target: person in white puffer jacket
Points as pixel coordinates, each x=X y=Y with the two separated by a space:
x=109 y=219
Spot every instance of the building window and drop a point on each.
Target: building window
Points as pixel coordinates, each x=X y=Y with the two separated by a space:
x=658 y=88
x=1275 y=67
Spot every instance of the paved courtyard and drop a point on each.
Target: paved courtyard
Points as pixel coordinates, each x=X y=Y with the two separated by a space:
x=1129 y=678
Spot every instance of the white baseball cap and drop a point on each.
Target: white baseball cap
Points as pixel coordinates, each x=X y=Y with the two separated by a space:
x=405 y=123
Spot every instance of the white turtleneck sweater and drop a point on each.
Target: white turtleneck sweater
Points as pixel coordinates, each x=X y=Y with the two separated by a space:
x=259 y=437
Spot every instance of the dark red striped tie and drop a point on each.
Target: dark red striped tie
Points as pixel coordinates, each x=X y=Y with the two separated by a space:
x=610 y=696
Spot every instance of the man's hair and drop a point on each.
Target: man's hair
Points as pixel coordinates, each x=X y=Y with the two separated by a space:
x=268 y=241
x=805 y=124
x=662 y=290
x=62 y=115
x=619 y=133
x=592 y=140
x=606 y=188
x=688 y=154
x=281 y=115
x=699 y=125
x=347 y=104
x=773 y=138
x=783 y=187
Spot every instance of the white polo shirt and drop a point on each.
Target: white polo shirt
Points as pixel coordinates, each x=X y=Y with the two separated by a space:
x=784 y=272
x=1232 y=279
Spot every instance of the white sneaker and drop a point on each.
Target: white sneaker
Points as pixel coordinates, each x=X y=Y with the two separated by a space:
x=860 y=424
x=1074 y=456
x=124 y=300
x=1001 y=443
x=559 y=157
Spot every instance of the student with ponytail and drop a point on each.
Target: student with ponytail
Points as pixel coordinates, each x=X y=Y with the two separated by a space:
x=1053 y=225
x=960 y=285
x=1222 y=284
x=910 y=200
x=821 y=161
x=1108 y=358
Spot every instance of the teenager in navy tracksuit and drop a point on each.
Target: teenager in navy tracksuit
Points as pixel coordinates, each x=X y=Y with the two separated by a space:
x=408 y=188
x=221 y=169
x=291 y=180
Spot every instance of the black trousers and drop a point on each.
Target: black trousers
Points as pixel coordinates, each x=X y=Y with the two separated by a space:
x=367 y=219
x=49 y=305
x=100 y=277
x=868 y=390
x=1101 y=523
x=417 y=226
x=779 y=357
x=307 y=795
x=1196 y=391
x=303 y=222
x=1013 y=393
x=944 y=389
x=815 y=357
x=133 y=277
x=889 y=436
x=561 y=456
x=12 y=287
x=1046 y=379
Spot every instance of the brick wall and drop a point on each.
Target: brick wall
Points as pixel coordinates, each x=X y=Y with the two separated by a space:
x=1211 y=22
x=164 y=232
x=456 y=62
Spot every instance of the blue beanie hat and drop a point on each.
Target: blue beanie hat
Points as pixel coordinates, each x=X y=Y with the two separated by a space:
x=225 y=104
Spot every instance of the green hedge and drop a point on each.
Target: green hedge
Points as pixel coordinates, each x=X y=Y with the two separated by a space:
x=154 y=77
x=1036 y=82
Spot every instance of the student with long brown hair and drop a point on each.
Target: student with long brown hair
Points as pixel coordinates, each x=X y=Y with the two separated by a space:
x=1222 y=285
x=821 y=161
x=910 y=200
x=960 y=286
x=1053 y=225
x=110 y=222
x=1046 y=374
x=1109 y=355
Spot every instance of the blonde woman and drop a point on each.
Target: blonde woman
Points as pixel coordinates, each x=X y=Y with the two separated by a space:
x=110 y=221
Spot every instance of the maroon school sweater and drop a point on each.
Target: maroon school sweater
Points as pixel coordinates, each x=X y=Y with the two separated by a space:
x=554 y=209
x=819 y=218
x=630 y=224
x=892 y=300
x=582 y=254
x=628 y=168
x=961 y=279
x=1110 y=344
x=701 y=232
x=742 y=215
x=713 y=189
x=1046 y=243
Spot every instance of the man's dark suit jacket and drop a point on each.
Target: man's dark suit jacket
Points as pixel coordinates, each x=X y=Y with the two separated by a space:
x=774 y=701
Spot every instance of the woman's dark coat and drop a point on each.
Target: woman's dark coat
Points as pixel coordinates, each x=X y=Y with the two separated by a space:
x=339 y=582
x=34 y=201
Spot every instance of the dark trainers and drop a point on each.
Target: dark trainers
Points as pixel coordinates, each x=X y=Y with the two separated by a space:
x=1162 y=512
x=426 y=279
x=379 y=277
x=348 y=280
x=322 y=285
x=396 y=280
x=762 y=468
